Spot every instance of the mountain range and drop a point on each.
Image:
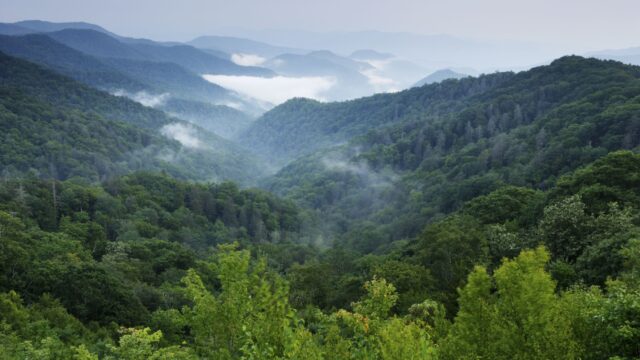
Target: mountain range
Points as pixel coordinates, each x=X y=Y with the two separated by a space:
x=132 y=68
x=627 y=56
x=439 y=76
x=64 y=129
x=432 y=51
x=148 y=210
x=396 y=161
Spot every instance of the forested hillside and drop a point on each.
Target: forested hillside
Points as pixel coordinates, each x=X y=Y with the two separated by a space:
x=77 y=263
x=144 y=71
x=43 y=50
x=104 y=46
x=495 y=217
x=120 y=68
x=439 y=76
x=301 y=126
x=388 y=184
x=59 y=128
x=219 y=119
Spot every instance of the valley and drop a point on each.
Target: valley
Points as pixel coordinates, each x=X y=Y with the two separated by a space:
x=341 y=197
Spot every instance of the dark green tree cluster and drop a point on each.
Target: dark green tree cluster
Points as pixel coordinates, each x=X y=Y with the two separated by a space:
x=113 y=253
x=584 y=223
x=127 y=270
x=237 y=308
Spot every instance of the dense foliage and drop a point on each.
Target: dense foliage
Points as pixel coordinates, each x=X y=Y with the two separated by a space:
x=111 y=252
x=59 y=128
x=43 y=50
x=506 y=226
x=526 y=131
x=146 y=241
x=302 y=126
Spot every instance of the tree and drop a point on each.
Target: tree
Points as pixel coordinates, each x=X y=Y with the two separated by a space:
x=606 y=323
x=251 y=315
x=13 y=254
x=369 y=333
x=521 y=319
x=564 y=228
x=450 y=249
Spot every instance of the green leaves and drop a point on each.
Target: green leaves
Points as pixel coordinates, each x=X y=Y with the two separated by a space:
x=564 y=228
x=250 y=315
x=521 y=319
x=381 y=297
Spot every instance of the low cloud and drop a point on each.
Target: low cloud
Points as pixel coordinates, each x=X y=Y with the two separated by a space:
x=247 y=59
x=277 y=62
x=185 y=134
x=144 y=98
x=362 y=170
x=231 y=104
x=379 y=82
x=378 y=76
x=378 y=64
x=275 y=90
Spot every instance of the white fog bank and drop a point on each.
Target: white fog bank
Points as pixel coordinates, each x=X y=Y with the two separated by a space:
x=185 y=134
x=144 y=98
x=247 y=59
x=275 y=90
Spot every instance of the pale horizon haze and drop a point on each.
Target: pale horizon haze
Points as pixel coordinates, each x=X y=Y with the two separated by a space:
x=575 y=26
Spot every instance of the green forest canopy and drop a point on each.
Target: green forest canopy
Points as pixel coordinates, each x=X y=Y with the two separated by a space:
x=454 y=238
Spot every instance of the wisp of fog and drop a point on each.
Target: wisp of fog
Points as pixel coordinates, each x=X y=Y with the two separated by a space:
x=277 y=89
x=185 y=134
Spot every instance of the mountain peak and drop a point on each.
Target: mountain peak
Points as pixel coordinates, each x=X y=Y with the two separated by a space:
x=439 y=76
x=47 y=26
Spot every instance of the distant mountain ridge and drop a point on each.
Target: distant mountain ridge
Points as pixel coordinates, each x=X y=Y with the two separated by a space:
x=97 y=44
x=432 y=51
x=12 y=29
x=47 y=26
x=235 y=45
x=348 y=77
x=88 y=133
x=104 y=62
x=627 y=56
x=43 y=50
x=349 y=81
x=439 y=76
x=113 y=73
x=347 y=62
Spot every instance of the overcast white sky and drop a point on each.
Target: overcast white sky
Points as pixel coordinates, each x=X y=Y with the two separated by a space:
x=586 y=24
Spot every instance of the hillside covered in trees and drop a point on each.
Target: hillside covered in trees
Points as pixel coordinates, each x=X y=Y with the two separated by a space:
x=389 y=183
x=112 y=271
x=60 y=128
x=484 y=218
x=145 y=71
x=302 y=126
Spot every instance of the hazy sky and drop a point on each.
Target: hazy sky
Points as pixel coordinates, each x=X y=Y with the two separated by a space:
x=585 y=24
